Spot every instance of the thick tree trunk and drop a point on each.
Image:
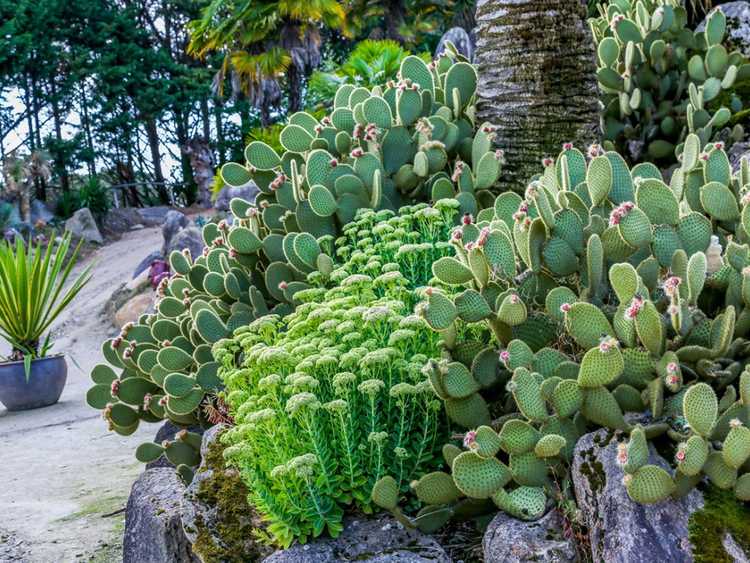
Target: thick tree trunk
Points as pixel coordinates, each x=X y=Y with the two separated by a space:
x=153 y=143
x=202 y=163
x=294 y=79
x=537 y=80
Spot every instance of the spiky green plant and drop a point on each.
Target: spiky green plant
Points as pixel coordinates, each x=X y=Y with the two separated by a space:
x=530 y=318
x=660 y=80
x=332 y=397
x=34 y=291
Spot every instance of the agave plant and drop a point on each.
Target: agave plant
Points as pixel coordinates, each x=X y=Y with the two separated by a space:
x=34 y=290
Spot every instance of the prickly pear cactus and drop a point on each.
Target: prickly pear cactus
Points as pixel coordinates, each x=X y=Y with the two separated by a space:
x=331 y=397
x=660 y=80
x=603 y=292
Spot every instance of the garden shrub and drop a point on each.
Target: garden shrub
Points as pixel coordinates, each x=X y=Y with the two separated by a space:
x=661 y=81
x=331 y=397
x=603 y=292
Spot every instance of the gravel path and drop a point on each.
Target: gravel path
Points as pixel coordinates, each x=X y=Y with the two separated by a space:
x=64 y=479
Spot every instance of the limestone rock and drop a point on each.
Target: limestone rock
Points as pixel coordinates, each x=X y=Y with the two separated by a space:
x=228 y=193
x=83 y=226
x=121 y=220
x=153 y=216
x=190 y=238
x=136 y=306
x=509 y=540
x=738 y=25
x=620 y=530
x=174 y=222
x=145 y=264
x=153 y=529
x=460 y=39
x=367 y=540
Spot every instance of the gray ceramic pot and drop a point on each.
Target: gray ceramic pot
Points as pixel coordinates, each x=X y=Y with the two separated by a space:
x=44 y=387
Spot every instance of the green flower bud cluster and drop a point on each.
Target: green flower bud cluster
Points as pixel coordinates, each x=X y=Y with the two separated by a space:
x=332 y=397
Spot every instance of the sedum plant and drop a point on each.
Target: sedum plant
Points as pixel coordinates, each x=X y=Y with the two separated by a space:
x=660 y=80
x=604 y=298
x=332 y=397
x=415 y=144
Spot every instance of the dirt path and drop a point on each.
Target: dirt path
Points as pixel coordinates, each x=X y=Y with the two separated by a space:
x=62 y=474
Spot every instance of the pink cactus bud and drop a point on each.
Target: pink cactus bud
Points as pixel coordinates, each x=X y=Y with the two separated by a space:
x=500 y=154
x=622 y=454
x=483 y=235
x=147 y=400
x=457 y=235
x=467 y=219
x=163 y=401
x=505 y=356
x=547 y=162
x=719 y=146
x=233 y=253
x=704 y=156
x=672 y=380
x=735 y=423
x=114 y=388
x=607 y=344
x=357 y=153
x=334 y=163
x=672 y=367
x=283 y=285
x=470 y=439
x=567 y=146
x=680 y=455
x=514 y=298
x=565 y=307
x=470 y=246
x=429 y=291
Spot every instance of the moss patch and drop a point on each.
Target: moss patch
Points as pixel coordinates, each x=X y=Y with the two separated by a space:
x=722 y=513
x=237 y=524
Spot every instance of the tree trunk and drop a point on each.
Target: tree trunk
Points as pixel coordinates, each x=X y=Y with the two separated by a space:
x=294 y=79
x=153 y=143
x=60 y=163
x=187 y=170
x=537 y=81
x=86 y=122
x=220 y=141
x=202 y=163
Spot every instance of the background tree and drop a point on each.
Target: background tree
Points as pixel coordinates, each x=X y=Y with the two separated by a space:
x=538 y=84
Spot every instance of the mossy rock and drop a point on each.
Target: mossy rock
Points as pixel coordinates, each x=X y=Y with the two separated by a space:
x=217 y=518
x=722 y=525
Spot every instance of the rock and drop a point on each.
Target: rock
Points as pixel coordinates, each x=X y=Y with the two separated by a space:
x=367 y=540
x=228 y=193
x=138 y=283
x=736 y=152
x=215 y=515
x=153 y=529
x=460 y=39
x=508 y=540
x=83 y=226
x=620 y=530
x=190 y=238
x=733 y=549
x=40 y=212
x=132 y=310
x=121 y=220
x=153 y=216
x=174 y=222
x=145 y=264
x=738 y=25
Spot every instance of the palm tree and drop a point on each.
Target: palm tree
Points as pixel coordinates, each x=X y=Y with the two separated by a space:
x=537 y=79
x=263 y=42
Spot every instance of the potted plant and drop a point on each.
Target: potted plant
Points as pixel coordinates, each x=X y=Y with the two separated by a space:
x=33 y=293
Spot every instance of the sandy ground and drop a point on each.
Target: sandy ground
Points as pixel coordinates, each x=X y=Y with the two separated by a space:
x=62 y=474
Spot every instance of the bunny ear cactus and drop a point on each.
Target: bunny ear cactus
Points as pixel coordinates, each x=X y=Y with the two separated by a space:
x=410 y=140
x=600 y=293
x=660 y=80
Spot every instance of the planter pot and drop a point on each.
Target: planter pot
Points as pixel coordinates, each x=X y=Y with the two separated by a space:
x=43 y=388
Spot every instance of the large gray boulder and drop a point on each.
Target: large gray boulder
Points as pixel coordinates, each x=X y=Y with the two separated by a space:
x=83 y=226
x=121 y=220
x=738 y=25
x=461 y=41
x=367 y=540
x=509 y=540
x=190 y=238
x=153 y=216
x=228 y=193
x=174 y=222
x=620 y=530
x=153 y=529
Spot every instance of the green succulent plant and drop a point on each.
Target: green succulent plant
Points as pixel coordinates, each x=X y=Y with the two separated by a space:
x=602 y=295
x=331 y=397
x=660 y=80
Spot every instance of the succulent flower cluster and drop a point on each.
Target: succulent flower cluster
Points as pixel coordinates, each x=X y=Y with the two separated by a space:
x=556 y=320
x=661 y=81
x=332 y=397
